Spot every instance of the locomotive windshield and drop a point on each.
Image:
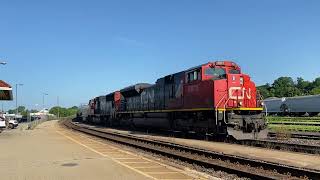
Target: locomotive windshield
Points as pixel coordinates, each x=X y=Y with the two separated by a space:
x=234 y=71
x=216 y=73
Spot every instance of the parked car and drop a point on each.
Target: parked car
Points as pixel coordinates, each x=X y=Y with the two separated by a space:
x=2 y=124
x=13 y=124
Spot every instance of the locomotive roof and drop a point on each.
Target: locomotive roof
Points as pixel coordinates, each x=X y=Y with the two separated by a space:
x=134 y=89
x=211 y=62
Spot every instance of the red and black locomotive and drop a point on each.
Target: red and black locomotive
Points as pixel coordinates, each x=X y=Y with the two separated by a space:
x=215 y=99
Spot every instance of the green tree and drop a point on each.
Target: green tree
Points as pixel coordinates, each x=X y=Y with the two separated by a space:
x=21 y=109
x=265 y=90
x=315 y=91
x=25 y=113
x=303 y=86
x=64 y=112
x=316 y=83
x=285 y=87
x=33 y=111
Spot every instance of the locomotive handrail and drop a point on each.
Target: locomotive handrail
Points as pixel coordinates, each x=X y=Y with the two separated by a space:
x=220 y=101
x=224 y=112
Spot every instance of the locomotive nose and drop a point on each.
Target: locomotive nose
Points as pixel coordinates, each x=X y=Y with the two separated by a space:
x=247 y=126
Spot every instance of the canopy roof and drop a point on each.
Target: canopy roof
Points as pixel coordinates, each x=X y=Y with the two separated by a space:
x=5 y=91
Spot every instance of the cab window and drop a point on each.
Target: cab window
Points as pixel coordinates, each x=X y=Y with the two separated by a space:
x=216 y=73
x=234 y=71
x=193 y=76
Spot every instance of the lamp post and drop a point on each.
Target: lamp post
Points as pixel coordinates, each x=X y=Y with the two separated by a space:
x=17 y=97
x=58 y=107
x=2 y=63
x=43 y=94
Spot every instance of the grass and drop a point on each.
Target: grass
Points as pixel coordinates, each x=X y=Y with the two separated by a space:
x=283 y=124
x=292 y=119
x=307 y=123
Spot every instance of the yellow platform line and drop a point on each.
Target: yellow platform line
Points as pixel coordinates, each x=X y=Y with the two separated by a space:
x=129 y=153
x=135 y=170
x=136 y=162
x=149 y=167
x=125 y=158
x=174 y=179
x=168 y=172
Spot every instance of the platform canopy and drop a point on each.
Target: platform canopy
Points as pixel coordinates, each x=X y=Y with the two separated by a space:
x=5 y=91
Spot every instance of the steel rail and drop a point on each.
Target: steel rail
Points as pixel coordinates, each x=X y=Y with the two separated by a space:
x=302 y=148
x=297 y=135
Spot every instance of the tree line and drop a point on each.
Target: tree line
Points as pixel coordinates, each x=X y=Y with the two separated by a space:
x=287 y=87
x=22 y=110
x=63 y=112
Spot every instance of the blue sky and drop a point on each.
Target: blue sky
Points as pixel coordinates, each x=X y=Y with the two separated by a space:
x=80 y=49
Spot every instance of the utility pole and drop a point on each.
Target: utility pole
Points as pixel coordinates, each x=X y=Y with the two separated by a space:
x=43 y=94
x=2 y=63
x=17 y=97
x=58 y=107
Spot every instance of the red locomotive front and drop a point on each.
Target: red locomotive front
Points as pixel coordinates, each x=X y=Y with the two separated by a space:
x=223 y=88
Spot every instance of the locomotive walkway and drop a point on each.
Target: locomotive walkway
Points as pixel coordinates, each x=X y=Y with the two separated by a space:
x=49 y=153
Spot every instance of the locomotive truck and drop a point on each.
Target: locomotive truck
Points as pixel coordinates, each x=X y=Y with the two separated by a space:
x=213 y=99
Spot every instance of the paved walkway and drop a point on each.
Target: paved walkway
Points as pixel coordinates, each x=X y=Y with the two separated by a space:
x=44 y=154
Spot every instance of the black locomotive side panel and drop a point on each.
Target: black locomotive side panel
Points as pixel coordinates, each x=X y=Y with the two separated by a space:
x=159 y=94
x=148 y=99
x=102 y=105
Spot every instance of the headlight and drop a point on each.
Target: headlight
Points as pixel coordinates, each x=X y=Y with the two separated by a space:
x=262 y=103
x=241 y=80
x=240 y=103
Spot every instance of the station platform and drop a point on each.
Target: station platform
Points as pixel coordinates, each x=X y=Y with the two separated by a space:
x=49 y=153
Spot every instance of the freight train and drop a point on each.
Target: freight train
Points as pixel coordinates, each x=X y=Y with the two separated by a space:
x=214 y=99
x=293 y=106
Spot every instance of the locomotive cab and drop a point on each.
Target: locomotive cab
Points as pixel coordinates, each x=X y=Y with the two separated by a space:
x=237 y=109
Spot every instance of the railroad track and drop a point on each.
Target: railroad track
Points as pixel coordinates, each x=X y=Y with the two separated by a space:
x=303 y=148
x=310 y=136
x=241 y=166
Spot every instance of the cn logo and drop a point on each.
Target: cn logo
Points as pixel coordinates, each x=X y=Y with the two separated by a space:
x=234 y=90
